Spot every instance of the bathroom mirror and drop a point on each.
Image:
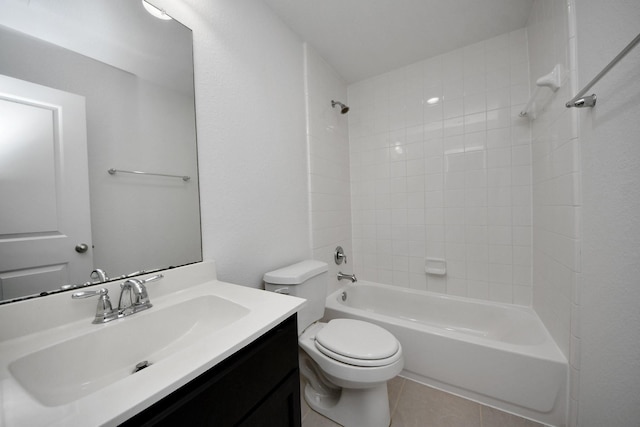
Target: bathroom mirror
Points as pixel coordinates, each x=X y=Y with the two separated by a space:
x=89 y=86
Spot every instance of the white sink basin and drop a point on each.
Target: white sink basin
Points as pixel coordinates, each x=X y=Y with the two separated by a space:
x=65 y=372
x=57 y=369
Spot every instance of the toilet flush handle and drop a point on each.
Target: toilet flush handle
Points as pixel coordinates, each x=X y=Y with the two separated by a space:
x=283 y=291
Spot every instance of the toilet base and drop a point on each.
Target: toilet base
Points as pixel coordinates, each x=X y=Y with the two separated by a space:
x=368 y=407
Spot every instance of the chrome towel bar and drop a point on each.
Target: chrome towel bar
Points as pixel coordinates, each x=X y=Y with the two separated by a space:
x=113 y=171
x=580 y=100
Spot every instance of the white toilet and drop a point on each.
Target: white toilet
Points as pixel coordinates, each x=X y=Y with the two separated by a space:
x=346 y=362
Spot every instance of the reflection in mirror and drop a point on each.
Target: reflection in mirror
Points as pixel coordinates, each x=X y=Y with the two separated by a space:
x=87 y=86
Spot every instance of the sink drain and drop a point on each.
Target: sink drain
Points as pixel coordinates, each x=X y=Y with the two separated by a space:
x=140 y=366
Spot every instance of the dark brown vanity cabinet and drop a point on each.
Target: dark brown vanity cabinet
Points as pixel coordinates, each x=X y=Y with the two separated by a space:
x=257 y=386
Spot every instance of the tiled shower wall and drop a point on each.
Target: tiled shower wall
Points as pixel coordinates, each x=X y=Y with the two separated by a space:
x=327 y=138
x=441 y=168
x=557 y=185
x=556 y=174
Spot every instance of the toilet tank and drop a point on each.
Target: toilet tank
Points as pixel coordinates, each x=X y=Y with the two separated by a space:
x=306 y=279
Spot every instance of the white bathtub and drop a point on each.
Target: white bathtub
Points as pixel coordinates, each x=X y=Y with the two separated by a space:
x=497 y=354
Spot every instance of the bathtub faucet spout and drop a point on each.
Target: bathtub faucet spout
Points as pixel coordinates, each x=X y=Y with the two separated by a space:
x=351 y=277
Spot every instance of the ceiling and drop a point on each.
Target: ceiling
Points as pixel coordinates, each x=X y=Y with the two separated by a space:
x=364 y=38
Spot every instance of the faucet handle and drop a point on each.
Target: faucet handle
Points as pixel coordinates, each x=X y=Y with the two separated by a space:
x=87 y=294
x=104 y=310
x=140 y=290
x=152 y=278
x=138 y=284
x=339 y=256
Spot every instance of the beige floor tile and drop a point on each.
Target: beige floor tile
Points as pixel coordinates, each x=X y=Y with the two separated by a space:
x=421 y=406
x=415 y=405
x=313 y=419
x=394 y=388
x=495 y=418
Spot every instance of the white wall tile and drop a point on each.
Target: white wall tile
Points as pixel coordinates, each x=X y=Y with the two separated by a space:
x=496 y=58
x=500 y=292
x=498 y=78
x=475 y=84
x=553 y=174
x=453 y=183
x=329 y=164
x=522 y=295
x=453 y=107
x=452 y=65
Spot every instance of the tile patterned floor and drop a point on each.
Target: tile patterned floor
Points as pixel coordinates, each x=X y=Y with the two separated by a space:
x=415 y=405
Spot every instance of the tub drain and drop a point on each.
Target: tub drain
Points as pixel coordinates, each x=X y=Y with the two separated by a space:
x=140 y=366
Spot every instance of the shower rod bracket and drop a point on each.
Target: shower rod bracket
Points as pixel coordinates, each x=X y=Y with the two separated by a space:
x=582 y=101
x=585 y=101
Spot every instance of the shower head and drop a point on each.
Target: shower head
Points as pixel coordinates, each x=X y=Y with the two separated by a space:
x=343 y=108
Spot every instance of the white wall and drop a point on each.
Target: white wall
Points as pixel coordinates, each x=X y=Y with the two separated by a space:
x=586 y=203
x=329 y=183
x=450 y=180
x=251 y=136
x=609 y=386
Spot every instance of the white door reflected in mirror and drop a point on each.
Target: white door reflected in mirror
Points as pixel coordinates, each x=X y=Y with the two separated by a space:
x=43 y=172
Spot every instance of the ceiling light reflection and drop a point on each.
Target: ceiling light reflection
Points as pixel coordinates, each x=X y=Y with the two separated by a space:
x=156 y=12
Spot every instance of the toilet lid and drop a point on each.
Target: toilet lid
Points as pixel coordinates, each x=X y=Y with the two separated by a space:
x=357 y=342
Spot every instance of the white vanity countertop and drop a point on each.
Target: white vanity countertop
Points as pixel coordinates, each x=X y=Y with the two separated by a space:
x=28 y=326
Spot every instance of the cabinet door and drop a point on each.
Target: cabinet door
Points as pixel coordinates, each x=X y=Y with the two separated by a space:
x=257 y=386
x=280 y=409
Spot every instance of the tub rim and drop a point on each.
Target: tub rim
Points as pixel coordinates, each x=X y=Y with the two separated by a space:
x=547 y=350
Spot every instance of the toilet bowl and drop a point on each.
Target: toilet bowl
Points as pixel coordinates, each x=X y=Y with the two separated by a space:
x=354 y=385
x=345 y=362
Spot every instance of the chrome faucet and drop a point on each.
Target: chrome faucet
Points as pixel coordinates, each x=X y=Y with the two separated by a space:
x=104 y=311
x=97 y=276
x=351 y=277
x=100 y=275
x=133 y=298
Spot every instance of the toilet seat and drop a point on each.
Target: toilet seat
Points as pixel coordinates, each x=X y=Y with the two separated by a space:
x=348 y=374
x=357 y=343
